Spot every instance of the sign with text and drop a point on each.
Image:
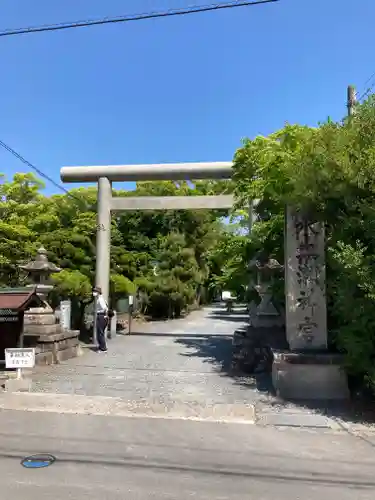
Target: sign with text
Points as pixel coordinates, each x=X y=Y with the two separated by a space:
x=22 y=357
x=9 y=315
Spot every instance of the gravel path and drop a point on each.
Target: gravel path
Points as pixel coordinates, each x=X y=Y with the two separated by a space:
x=180 y=368
x=181 y=361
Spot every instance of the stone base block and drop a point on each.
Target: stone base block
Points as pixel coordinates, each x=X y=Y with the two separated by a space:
x=38 y=330
x=18 y=385
x=308 y=376
x=56 y=357
x=54 y=347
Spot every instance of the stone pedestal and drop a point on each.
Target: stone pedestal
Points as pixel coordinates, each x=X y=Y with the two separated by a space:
x=52 y=349
x=265 y=315
x=308 y=371
x=52 y=342
x=40 y=320
x=303 y=376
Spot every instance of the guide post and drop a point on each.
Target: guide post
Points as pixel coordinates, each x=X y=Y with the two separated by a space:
x=95 y=319
x=131 y=302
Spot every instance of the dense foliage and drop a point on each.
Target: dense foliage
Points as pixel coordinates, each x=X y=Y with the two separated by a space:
x=164 y=257
x=327 y=172
x=177 y=259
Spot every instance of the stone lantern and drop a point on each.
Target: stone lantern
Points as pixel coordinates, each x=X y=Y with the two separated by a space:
x=40 y=320
x=266 y=314
x=39 y=271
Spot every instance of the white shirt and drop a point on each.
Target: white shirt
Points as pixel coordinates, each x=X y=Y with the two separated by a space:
x=101 y=305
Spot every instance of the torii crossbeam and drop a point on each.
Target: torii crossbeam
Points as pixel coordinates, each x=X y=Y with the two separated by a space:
x=106 y=174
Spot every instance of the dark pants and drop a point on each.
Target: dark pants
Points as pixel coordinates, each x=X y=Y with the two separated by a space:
x=101 y=325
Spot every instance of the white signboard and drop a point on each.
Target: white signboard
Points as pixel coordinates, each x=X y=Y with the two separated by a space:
x=65 y=315
x=131 y=300
x=23 y=357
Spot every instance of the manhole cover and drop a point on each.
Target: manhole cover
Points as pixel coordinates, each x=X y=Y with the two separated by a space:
x=38 y=461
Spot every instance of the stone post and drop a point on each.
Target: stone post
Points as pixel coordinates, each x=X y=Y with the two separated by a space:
x=305 y=277
x=113 y=324
x=65 y=314
x=307 y=370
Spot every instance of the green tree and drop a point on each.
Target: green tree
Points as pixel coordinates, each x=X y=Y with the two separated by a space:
x=326 y=172
x=66 y=226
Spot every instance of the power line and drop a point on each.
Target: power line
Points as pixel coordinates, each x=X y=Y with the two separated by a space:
x=368 y=90
x=123 y=19
x=136 y=17
x=369 y=79
x=37 y=170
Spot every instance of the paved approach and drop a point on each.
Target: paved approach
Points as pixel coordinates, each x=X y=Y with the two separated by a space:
x=175 y=369
x=182 y=365
x=111 y=458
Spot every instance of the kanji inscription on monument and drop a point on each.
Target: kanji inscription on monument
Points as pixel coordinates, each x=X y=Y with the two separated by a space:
x=306 y=313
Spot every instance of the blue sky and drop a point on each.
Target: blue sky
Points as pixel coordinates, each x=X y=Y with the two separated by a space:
x=175 y=89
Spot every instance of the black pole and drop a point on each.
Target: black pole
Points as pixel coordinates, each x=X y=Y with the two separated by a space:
x=130 y=317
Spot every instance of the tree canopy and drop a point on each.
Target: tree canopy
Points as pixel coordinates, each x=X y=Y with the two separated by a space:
x=164 y=256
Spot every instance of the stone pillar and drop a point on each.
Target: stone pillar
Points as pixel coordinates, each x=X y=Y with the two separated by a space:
x=65 y=314
x=307 y=370
x=103 y=236
x=305 y=276
x=113 y=324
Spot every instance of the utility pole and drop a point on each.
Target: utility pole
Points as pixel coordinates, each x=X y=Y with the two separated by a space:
x=352 y=100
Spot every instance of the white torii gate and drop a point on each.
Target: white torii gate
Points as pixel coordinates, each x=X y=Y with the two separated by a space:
x=105 y=175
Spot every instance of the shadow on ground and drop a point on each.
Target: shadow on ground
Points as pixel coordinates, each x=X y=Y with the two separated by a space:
x=218 y=350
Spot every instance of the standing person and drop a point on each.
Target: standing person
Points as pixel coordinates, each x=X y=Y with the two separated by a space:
x=101 y=318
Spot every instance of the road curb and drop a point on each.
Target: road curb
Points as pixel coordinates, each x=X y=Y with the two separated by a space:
x=118 y=407
x=219 y=413
x=266 y=417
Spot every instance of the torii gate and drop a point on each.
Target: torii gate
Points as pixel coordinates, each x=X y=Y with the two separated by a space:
x=105 y=175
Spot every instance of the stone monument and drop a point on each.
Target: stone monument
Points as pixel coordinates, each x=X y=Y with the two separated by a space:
x=53 y=343
x=307 y=370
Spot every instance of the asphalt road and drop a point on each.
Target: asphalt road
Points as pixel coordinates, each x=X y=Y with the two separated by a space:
x=100 y=458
